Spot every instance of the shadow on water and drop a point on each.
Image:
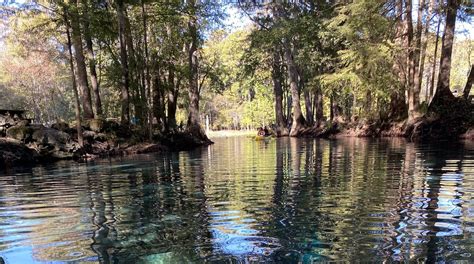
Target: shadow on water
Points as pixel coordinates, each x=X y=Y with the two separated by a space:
x=286 y=200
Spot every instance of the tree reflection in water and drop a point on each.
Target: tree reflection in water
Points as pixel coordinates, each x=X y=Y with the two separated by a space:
x=286 y=200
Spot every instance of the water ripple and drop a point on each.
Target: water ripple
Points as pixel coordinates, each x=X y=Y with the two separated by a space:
x=287 y=200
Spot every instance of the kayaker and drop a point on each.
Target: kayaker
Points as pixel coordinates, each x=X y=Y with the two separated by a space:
x=260 y=132
x=266 y=132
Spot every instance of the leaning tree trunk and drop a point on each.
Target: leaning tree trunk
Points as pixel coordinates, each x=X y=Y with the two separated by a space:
x=77 y=102
x=80 y=63
x=469 y=82
x=299 y=122
x=280 y=125
x=443 y=94
x=92 y=62
x=124 y=86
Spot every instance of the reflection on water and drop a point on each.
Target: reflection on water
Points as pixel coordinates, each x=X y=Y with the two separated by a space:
x=287 y=200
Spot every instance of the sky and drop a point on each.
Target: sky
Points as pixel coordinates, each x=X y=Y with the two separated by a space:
x=235 y=19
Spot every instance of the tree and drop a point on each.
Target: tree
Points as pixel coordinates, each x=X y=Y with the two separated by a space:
x=82 y=81
x=193 y=125
x=77 y=108
x=125 y=82
x=469 y=82
x=91 y=58
x=280 y=122
x=443 y=93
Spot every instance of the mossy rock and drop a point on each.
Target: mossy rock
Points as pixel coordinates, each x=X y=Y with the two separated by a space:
x=51 y=136
x=19 y=132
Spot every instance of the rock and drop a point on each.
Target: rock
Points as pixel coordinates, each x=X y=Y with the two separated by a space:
x=61 y=126
x=101 y=137
x=6 y=121
x=115 y=129
x=19 y=132
x=14 y=152
x=88 y=135
x=54 y=146
x=50 y=136
x=22 y=123
x=183 y=141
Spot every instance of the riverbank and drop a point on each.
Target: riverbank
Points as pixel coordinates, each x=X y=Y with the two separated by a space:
x=22 y=143
x=420 y=129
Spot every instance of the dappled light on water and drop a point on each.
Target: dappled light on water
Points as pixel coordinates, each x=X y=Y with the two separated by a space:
x=284 y=200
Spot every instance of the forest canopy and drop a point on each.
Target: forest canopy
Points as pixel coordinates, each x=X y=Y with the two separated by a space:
x=169 y=65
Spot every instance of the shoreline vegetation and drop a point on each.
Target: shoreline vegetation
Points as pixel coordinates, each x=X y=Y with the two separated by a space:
x=120 y=77
x=26 y=144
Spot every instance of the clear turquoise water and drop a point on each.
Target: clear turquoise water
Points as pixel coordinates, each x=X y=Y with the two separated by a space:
x=243 y=201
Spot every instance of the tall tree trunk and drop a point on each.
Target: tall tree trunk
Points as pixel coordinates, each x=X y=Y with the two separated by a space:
x=193 y=124
x=398 y=107
x=469 y=82
x=157 y=100
x=298 y=119
x=443 y=93
x=433 y=72
x=318 y=103
x=82 y=82
x=424 y=44
x=307 y=101
x=77 y=103
x=415 y=99
x=331 y=108
x=133 y=70
x=91 y=59
x=147 y=73
x=412 y=107
x=124 y=86
x=308 y=105
x=172 y=99
x=280 y=126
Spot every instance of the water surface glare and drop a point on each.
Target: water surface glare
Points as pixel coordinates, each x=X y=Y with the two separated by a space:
x=243 y=201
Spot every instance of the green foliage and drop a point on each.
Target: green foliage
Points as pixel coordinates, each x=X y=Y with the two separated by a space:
x=463 y=58
x=366 y=58
x=346 y=50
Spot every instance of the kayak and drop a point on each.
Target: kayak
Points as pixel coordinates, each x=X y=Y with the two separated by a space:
x=259 y=137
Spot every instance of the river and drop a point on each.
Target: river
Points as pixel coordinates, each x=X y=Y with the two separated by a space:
x=284 y=200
